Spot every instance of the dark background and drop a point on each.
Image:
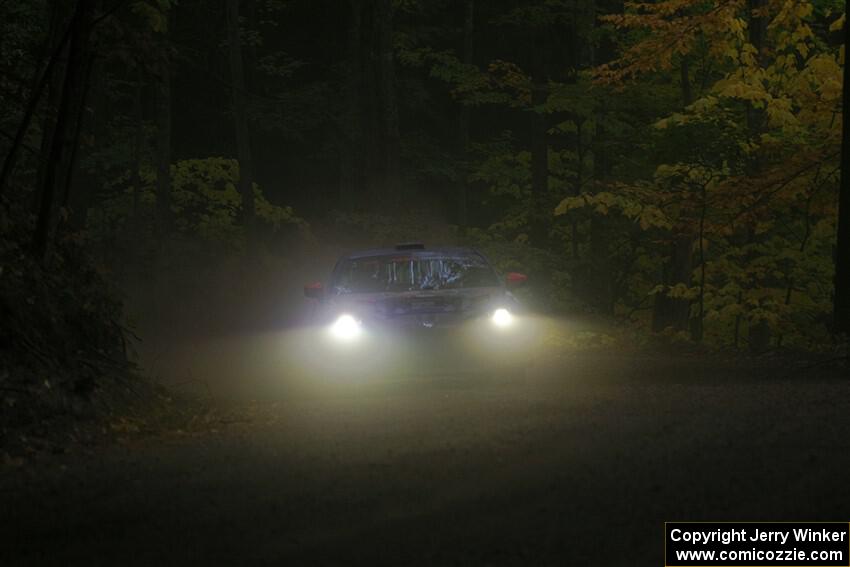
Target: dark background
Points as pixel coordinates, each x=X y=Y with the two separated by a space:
x=670 y=174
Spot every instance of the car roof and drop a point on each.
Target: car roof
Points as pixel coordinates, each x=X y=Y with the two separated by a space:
x=420 y=252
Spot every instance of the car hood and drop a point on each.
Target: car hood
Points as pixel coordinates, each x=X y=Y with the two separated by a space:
x=420 y=308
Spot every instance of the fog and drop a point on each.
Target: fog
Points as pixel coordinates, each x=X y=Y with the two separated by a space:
x=230 y=330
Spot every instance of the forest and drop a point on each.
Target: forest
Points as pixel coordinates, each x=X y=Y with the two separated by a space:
x=674 y=166
x=422 y=282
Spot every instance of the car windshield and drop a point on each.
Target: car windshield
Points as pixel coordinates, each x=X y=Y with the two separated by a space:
x=400 y=273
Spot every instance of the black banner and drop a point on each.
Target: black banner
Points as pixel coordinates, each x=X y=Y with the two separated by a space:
x=757 y=544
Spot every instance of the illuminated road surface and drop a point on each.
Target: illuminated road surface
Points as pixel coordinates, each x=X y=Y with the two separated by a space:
x=579 y=462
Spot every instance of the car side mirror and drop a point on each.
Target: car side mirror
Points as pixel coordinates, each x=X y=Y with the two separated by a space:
x=515 y=279
x=314 y=290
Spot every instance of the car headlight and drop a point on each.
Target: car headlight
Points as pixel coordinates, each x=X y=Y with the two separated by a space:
x=346 y=328
x=502 y=317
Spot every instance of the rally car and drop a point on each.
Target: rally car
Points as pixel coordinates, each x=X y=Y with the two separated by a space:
x=415 y=303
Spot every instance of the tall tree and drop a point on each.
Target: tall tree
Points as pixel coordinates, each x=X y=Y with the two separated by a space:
x=463 y=118
x=841 y=309
x=389 y=104
x=539 y=139
x=163 y=136
x=759 y=329
x=668 y=311
x=351 y=132
x=138 y=144
x=82 y=182
x=240 y=116
x=602 y=293
x=64 y=138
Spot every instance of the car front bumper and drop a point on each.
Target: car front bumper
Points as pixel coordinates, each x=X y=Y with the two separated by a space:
x=379 y=348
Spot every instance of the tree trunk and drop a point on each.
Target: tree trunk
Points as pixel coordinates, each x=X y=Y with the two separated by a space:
x=138 y=145
x=698 y=322
x=59 y=165
x=579 y=181
x=80 y=184
x=463 y=118
x=675 y=311
x=240 y=118
x=249 y=54
x=60 y=27
x=539 y=143
x=371 y=148
x=669 y=311
x=602 y=276
x=163 y=143
x=737 y=333
x=389 y=107
x=841 y=308
x=759 y=331
x=351 y=137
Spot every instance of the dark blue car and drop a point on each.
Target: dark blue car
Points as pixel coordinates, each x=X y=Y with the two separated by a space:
x=416 y=304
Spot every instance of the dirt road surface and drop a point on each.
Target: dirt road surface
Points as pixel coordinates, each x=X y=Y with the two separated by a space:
x=580 y=461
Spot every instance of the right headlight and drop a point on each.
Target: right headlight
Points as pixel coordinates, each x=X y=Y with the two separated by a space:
x=502 y=317
x=346 y=328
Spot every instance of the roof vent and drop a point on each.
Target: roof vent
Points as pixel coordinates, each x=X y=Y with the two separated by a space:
x=410 y=246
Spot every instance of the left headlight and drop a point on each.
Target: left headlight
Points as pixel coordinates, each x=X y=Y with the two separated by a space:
x=502 y=317
x=346 y=328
